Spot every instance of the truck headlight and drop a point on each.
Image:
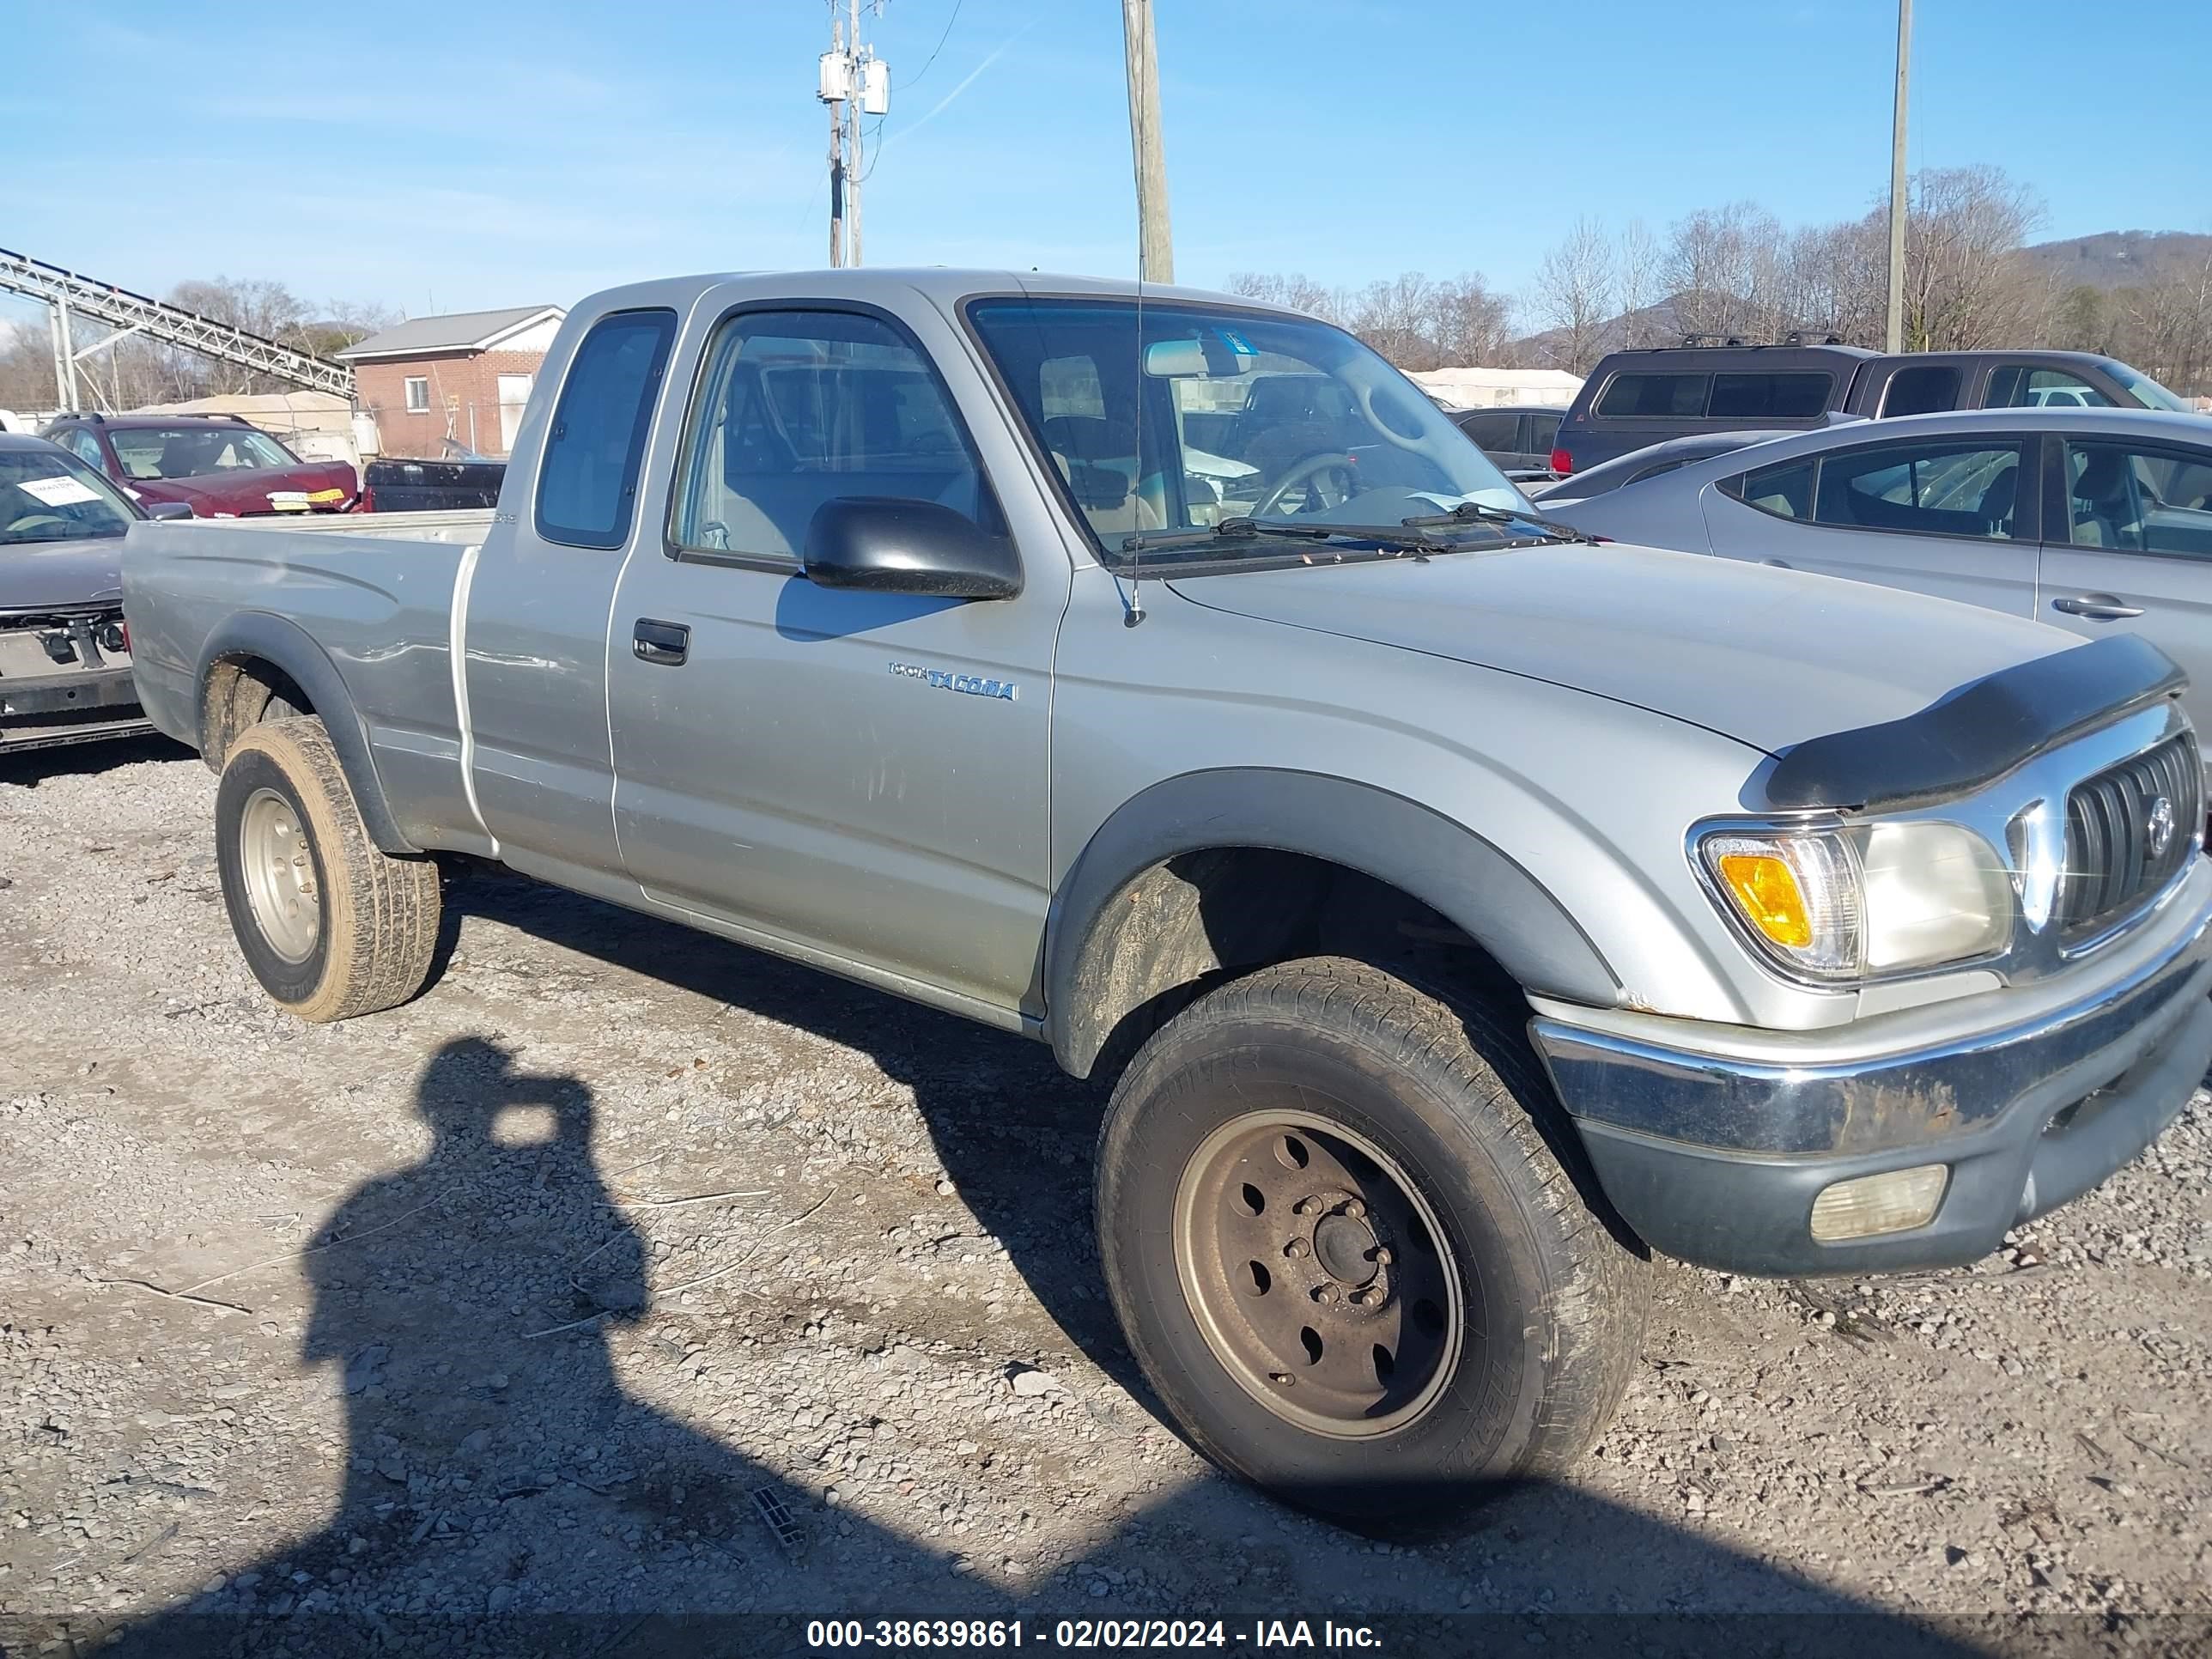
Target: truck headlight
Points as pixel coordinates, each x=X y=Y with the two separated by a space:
x=1865 y=900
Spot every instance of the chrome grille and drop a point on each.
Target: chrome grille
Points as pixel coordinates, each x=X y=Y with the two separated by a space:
x=2113 y=858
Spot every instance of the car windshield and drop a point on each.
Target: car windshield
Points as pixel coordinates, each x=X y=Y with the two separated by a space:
x=2149 y=393
x=1215 y=416
x=46 y=495
x=191 y=451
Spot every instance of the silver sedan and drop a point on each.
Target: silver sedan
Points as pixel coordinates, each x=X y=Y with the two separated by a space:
x=2096 y=519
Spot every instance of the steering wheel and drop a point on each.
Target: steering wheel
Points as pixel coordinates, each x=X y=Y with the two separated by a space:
x=1304 y=471
x=32 y=522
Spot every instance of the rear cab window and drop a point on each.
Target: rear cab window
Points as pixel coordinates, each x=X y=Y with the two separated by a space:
x=587 y=474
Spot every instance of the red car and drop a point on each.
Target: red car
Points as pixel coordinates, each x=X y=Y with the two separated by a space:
x=216 y=464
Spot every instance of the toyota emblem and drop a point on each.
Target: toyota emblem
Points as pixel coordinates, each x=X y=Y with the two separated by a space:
x=2159 y=826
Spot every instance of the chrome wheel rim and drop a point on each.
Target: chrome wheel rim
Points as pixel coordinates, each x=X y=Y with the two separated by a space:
x=279 y=873
x=1318 y=1274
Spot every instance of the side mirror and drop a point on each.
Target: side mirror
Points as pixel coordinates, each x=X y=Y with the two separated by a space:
x=889 y=544
x=168 y=509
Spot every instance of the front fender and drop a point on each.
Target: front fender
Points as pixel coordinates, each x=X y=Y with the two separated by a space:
x=1445 y=865
x=285 y=645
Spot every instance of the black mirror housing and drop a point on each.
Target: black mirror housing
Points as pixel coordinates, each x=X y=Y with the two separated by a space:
x=890 y=544
x=168 y=509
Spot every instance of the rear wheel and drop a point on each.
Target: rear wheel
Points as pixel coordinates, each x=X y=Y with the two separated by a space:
x=1347 y=1256
x=331 y=925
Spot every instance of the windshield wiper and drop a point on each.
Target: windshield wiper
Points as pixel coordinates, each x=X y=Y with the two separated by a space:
x=1477 y=513
x=1233 y=531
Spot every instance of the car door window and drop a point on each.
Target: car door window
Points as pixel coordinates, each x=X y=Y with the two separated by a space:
x=1543 y=433
x=1955 y=489
x=2023 y=386
x=1495 y=430
x=800 y=407
x=2139 y=501
x=85 y=446
x=587 y=478
x=1922 y=391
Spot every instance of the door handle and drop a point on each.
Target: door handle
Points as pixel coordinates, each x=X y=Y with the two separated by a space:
x=1780 y=564
x=663 y=643
x=2097 y=607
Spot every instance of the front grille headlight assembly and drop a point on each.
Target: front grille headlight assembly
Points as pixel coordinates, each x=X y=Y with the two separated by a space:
x=1861 y=900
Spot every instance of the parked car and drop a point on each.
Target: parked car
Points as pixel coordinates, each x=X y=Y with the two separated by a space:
x=1518 y=437
x=1647 y=463
x=1634 y=398
x=216 y=464
x=2099 y=520
x=1463 y=911
x=64 y=652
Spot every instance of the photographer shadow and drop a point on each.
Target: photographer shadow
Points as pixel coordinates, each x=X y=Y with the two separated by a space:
x=497 y=1477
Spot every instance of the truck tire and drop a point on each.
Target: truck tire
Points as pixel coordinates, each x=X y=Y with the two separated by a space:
x=1338 y=1230
x=331 y=924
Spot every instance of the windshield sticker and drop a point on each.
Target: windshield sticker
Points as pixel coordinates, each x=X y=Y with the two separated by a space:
x=60 y=491
x=1237 y=343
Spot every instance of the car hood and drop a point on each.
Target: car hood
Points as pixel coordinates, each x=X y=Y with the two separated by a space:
x=240 y=493
x=1768 y=656
x=44 y=575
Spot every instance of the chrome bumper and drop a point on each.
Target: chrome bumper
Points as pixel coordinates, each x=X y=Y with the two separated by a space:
x=1717 y=1158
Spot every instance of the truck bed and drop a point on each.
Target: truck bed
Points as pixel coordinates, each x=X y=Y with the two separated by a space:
x=373 y=592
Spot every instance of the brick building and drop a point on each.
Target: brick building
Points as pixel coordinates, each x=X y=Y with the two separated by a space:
x=462 y=378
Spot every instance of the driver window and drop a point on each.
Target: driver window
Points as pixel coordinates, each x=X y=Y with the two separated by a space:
x=796 y=409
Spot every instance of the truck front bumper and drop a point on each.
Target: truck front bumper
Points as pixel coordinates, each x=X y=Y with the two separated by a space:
x=1714 y=1151
x=47 y=710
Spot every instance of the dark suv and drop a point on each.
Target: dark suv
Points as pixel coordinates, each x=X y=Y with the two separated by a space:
x=216 y=464
x=1633 y=398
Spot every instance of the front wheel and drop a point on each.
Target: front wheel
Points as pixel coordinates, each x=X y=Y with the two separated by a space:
x=1345 y=1254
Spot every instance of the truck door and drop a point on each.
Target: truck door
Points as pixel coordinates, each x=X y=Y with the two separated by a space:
x=861 y=775
x=535 y=606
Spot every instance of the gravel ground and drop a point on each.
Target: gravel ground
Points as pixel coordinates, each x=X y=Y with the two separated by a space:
x=510 y=1319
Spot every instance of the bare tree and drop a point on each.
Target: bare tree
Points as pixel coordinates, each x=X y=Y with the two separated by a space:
x=1966 y=284
x=1299 y=292
x=1470 y=322
x=1574 y=294
x=1639 y=265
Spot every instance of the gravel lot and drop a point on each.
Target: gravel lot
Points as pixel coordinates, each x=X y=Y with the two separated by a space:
x=507 y=1304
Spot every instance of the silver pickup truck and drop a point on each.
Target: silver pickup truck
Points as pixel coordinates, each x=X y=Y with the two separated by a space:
x=1463 y=911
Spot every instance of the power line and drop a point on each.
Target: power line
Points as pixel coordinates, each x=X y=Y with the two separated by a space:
x=941 y=39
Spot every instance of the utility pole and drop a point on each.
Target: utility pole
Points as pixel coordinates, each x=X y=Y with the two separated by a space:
x=1897 y=199
x=853 y=81
x=856 y=175
x=1155 y=246
x=836 y=85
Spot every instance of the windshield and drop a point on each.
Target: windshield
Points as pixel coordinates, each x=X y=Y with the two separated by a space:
x=46 y=495
x=2147 y=391
x=191 y=451
x=1226 y=415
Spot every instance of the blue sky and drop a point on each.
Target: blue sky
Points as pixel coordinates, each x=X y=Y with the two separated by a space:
x=459 y=156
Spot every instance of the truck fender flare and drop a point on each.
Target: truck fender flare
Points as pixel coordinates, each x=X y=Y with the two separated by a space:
x=1441 y=863
x=287 y=647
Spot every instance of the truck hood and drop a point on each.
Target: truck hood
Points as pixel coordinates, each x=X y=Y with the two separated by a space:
x=43 y=575
x=1768 y=656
